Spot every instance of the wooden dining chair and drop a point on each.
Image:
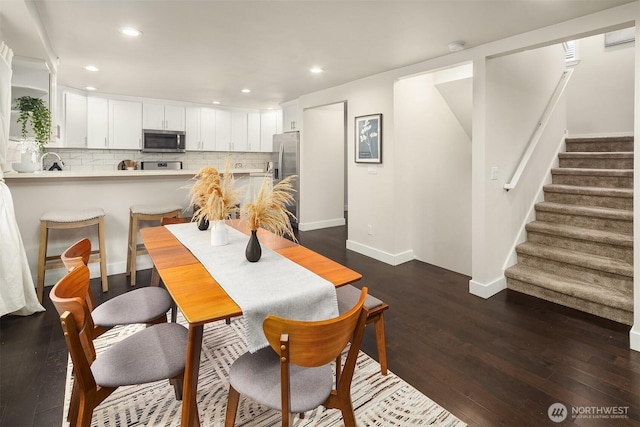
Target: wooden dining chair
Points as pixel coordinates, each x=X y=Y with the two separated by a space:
x=299 y=362
x=125 y=363
x=145 y=305
x=347 y=296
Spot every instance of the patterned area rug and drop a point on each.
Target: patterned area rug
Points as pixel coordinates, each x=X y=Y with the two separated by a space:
x=378 y=400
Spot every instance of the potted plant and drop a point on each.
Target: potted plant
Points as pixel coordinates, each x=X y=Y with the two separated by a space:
x=34 y=112
x=215 y=198
x=269 y=211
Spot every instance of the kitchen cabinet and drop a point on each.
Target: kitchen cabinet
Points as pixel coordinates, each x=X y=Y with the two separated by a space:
x=239 y=140
x=290 y=118
x=125 y=124
x=268 y=121
x=253 y=132
x=75 y=120
x=163 y=116
x=97 y=122
x=223 y=130
x=200 y=127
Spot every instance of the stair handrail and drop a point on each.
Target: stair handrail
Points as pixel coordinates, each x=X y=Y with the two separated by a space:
x=540 y=127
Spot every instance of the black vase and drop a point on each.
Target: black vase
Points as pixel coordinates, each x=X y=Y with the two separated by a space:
x=253 y=251
x=203 y=224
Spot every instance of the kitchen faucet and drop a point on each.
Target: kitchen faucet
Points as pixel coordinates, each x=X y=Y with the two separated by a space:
x=61 y=163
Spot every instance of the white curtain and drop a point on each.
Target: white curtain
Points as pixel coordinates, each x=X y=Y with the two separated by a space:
x=17 y=293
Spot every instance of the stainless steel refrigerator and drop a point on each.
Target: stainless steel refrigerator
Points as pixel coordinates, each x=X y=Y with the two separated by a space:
x=286 y=159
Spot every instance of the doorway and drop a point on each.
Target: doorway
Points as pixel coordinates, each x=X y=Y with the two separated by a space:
x=323 y=185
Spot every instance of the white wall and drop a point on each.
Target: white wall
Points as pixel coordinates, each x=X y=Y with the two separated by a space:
x=438 y=163
x=322 y=160
x=379 y=198
x=634 y=334
x=600 y=99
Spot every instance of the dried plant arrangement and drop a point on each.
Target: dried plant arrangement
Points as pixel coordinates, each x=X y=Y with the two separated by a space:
x=214 y=196
x=269 y=209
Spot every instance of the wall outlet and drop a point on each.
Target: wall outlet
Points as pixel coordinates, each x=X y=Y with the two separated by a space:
x=370 y=229
x=371 y=170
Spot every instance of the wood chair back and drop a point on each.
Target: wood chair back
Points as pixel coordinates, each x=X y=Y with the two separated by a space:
x=69 y=296
x=179 y=220
x=312 y=344
x=77 y=255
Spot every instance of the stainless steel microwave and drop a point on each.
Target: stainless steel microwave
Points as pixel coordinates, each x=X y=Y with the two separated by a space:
x=163 y=141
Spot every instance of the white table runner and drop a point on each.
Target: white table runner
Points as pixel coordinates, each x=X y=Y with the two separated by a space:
x=274 y=285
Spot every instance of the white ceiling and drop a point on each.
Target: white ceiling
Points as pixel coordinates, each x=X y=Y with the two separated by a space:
x=206 y=50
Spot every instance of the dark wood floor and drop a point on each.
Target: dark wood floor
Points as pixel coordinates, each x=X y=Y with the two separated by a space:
x=496 y=362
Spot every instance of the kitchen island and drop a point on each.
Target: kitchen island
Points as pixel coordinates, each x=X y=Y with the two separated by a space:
x=112 y=190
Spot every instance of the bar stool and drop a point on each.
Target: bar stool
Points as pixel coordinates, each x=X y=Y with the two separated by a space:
x=69 y=219
x=139 y=213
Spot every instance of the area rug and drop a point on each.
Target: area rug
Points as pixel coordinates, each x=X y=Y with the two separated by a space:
x=378 y=400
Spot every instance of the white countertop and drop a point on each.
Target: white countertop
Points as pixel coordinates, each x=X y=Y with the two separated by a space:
x=118 y=173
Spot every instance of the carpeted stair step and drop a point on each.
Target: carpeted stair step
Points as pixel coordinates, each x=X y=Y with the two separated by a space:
x=614 y=143
x=597 y=160
x=593 y=269
x=615 y=198
x=594 y=299
x=596 y=242
x=620 y=178
x=614 y=220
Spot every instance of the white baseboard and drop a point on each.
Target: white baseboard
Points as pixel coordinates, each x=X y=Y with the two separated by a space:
x=308 y=226
x=487 y=290
x=634 y=338
x=391 y=259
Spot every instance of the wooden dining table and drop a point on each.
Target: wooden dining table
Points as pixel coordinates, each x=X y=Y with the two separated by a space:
x=202 y=300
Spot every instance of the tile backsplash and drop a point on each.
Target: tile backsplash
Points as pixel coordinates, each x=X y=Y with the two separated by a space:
x=78 y=159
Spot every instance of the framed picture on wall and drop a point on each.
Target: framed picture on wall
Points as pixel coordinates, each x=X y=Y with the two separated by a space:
x=368 y=140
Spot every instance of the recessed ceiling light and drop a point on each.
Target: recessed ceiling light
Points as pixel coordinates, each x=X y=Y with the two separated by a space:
x=456 y=46
x=316 y=70
x=90 y=88
x=91 y=68
x=130 y=31
x=215 y=102
x=246 y=90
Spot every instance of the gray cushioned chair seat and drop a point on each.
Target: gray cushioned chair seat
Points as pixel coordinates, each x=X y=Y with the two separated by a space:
x=153 y=354
x=257 y=376
x=155 y=209
x=349 y=295
x=139 y=306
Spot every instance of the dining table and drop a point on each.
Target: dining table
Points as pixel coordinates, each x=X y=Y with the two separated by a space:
x=201 y=299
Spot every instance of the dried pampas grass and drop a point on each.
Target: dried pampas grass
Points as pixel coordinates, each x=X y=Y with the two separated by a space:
x=213 y=196
x=269 y=209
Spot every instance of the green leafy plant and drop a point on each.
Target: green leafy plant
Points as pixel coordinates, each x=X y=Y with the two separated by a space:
x=33 y=110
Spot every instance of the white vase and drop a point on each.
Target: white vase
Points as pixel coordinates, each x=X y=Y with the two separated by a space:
x=219 y=233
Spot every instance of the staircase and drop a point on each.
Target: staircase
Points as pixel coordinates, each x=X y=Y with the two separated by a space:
x=579 y=250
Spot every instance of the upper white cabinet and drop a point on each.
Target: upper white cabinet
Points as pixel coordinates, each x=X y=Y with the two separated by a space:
x=75 y=120
x=163 y=116
x=290 y=118
x=97 y=122
x=223 y=130
x=268 y=121
x=200 y=129
x=253 y=132
x=125 y=124
x=239 y=131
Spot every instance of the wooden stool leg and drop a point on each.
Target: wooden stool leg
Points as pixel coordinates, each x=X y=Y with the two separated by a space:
x=129 y=244
x=103 y=254
x=133 y=238
x=42 y=255
x=381 y=343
